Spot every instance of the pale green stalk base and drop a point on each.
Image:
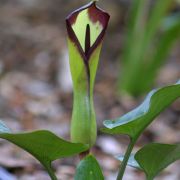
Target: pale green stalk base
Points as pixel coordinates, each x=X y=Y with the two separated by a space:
x=83 y=124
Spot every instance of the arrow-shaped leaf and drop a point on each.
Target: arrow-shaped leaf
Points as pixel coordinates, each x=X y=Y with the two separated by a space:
x=134 y=122
x=89 y=169
x=153 y=158
x=43 y=145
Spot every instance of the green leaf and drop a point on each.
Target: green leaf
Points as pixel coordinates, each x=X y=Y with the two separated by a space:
x=164 y=44
x=131 y=161
x=44 y=146
x=140 y=49
x=153 y=158
x=134 y=122
x=170 y=35
x=133 y=43
x=88 y=169
x=158 y=13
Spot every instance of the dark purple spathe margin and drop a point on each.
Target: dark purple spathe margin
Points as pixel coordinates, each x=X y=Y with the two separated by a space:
x=95 y=14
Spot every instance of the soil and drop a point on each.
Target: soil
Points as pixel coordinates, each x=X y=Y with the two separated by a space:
x=36 y=88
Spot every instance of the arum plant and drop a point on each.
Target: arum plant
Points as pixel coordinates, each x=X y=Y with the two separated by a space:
x=86 y=28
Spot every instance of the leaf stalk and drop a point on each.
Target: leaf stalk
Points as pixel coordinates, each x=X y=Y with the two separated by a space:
x=125 y=160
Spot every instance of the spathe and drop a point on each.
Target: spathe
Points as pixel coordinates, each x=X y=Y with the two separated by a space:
x=86 y=27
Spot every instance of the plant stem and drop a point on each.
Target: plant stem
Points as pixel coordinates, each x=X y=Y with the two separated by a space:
x=52 y=175
x=125 y=160
x=50 y=172
x=83 y=154
x=149 y=178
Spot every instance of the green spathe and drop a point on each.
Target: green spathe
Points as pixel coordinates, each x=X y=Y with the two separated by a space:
x=86 y=28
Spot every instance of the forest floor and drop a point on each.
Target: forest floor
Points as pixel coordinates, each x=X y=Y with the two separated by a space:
x=36 y=89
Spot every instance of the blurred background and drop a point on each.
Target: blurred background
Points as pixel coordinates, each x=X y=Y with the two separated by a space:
x=141 y=51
